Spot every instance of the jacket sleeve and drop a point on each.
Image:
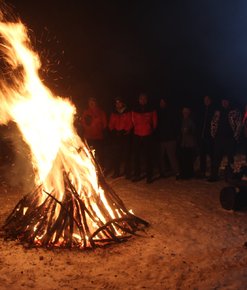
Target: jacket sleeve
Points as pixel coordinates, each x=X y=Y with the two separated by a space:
x=133 y=118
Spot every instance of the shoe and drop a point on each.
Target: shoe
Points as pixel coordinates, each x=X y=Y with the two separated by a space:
x=136 y=178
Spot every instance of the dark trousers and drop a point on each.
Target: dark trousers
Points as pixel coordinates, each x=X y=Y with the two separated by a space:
x=168 y=149
x=186 y=162
x=222 y=147
x=99 y=147
x=143 y=151
x=121 y=154
x=206 y=149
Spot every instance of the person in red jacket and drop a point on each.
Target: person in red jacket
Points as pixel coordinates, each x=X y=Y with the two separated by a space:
x=94 y=123
x=120 y=125
x=144 y=120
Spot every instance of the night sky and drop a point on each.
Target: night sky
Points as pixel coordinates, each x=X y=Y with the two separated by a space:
x=182 y=49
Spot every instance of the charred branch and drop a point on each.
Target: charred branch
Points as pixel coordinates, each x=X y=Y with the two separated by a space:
x=74 y=221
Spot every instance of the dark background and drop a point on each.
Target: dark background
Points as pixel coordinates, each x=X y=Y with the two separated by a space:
x=181 y=49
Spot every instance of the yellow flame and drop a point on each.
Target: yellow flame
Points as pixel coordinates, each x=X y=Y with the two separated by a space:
x=46 y=124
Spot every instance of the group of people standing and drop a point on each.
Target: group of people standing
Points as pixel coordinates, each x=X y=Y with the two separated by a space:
x=136 y=142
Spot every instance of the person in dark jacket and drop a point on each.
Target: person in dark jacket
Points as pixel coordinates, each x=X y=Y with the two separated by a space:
x=225 y=130
x=187 y=144
x=205 y=138
x=120 y=125
x=144 y=120
x=167 y=133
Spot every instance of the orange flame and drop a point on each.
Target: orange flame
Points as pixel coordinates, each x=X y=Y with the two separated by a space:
x=46 y=124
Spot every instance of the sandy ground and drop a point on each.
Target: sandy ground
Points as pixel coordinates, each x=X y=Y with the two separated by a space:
x=192 y=243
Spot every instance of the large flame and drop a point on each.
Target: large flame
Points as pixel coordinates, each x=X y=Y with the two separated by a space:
x=46 y=124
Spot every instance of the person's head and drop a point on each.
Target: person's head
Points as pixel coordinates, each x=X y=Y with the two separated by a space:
x=163 y=103
x=92 y=103
x=186 y=112
x=207 y=100
x=225 y=103
x=143 y=99
x=119 y=104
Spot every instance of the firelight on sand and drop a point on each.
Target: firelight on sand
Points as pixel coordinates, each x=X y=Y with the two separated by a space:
x=71 y=205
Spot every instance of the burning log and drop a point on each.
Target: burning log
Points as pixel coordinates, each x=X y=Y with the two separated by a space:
x=72 y=205
x=36 y=224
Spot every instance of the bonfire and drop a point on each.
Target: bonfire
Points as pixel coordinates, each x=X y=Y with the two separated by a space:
x=71 y=204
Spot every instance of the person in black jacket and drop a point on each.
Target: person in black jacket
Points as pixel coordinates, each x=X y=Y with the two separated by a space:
x=167 y=132
x=187 y=144
x=225 y=130
x=205 y=137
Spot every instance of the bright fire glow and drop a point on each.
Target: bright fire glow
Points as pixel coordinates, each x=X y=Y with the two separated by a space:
x=46 y=124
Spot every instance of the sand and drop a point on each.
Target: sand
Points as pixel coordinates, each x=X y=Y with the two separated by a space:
x=192 y=243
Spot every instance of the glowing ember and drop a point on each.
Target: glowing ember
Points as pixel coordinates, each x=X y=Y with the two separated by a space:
x=72 y=204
